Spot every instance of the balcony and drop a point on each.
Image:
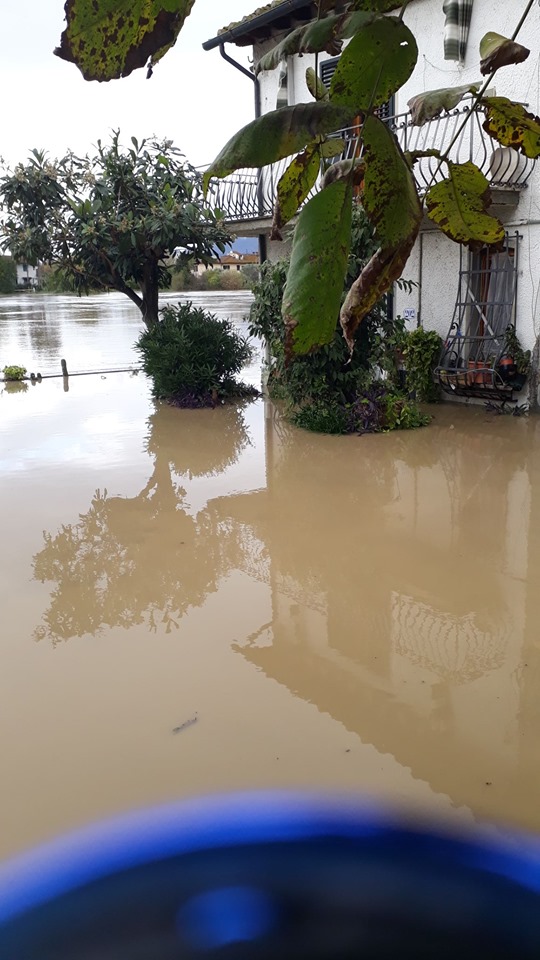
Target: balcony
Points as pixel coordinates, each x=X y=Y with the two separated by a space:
x=248 y=195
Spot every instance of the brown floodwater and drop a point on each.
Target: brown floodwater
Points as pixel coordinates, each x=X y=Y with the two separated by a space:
x=337 y=613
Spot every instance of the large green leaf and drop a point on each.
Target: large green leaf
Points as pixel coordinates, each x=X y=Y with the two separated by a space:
x=315 y=85
x=319 y=258
x=376 y=279
x=458 y=206
x=277 y=135
x=510 y=124
x=498 y=51
x=376 y=63
x=108 y=39
x=426 y=106
x=315 y=37
x=294 y=186
x=390 y=199
x=390 y=195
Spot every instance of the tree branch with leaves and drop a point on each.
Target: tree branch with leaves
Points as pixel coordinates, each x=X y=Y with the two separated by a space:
x=113 y=220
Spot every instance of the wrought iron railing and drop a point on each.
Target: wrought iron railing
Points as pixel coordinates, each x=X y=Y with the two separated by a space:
x=250 y=194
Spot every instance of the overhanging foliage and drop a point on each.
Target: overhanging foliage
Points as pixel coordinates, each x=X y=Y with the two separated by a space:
x=379 y=59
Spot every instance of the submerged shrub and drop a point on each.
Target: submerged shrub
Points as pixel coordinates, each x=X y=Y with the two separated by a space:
x=14 y=373
x=322 y=418
x=193 y=357
x=377 y=408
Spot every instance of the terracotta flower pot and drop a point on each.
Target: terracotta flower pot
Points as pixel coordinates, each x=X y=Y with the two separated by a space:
x=506 y=368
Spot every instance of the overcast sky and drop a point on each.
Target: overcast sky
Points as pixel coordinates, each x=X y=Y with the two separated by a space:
x=194 y=98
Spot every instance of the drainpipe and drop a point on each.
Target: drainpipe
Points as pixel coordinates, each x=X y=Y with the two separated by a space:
x=263 y=250
x=420 y=278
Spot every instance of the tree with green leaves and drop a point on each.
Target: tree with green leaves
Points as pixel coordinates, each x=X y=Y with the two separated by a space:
x=111 y=221
x=378 y=60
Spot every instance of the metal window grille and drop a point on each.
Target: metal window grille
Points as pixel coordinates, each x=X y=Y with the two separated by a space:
x=474 y=360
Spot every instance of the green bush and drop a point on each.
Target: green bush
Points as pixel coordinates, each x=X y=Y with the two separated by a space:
x=8 y=275
x=327 y=390
x=402 y=413
x=322 y=418
x=378 y=408
x=421 y=352
x=14 y=373
x=328 y=374
x=192 y=357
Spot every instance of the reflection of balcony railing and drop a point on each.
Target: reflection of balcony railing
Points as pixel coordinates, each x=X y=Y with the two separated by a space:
x=250 y=194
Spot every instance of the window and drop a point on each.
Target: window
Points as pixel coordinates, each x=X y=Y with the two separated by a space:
x=491 y=281
x=350 y=134
x=475 y=355
x=327 y=70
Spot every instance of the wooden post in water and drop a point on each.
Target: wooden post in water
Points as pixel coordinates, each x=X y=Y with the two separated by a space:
x=65 y=375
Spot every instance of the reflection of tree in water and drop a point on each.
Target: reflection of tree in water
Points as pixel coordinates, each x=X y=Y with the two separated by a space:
x=202 y=443
x=143 y=560
x=14 y=386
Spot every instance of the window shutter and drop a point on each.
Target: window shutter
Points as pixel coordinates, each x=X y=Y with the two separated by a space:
x=327 y=70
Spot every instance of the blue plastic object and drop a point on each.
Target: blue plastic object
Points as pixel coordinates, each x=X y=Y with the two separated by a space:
x=270 y=875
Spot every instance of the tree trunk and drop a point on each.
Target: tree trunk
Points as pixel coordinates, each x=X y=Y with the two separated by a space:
x=150 y=292
x=123 y=288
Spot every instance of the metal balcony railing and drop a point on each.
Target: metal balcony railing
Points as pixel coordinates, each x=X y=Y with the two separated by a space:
x=250 y=194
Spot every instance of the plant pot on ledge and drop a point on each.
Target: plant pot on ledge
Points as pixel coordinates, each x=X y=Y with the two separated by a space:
x=506 y=368
x=483 y=375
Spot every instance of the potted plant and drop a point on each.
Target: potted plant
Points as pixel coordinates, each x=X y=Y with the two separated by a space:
x=514 y=365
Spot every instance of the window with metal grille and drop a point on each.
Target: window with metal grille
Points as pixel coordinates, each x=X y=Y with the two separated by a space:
x=475 y=357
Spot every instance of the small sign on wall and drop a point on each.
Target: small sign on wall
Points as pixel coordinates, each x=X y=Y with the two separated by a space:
x=409 y=314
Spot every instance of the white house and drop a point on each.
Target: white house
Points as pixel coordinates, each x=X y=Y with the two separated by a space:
x=469 y=299
x=27 y=276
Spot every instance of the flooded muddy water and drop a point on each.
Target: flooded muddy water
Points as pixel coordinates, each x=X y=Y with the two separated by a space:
x=196 y=601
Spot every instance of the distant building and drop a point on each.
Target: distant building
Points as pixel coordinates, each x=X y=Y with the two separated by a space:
x=230 y=261
x=27 y=276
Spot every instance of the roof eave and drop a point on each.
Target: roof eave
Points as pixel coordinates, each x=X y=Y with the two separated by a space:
x=243 y=33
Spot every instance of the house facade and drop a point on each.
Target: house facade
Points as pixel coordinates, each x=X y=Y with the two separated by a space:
x=470 y=299
x=27 y=276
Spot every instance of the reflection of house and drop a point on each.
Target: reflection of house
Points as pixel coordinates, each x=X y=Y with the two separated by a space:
x=230 y=261
x=494 y=289
x=414 y=639
x=388 y=582
x=27 y=275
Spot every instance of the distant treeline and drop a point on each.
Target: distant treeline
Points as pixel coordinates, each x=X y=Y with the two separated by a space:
x=8 y=275
x=215 y=279
x=52 y=280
